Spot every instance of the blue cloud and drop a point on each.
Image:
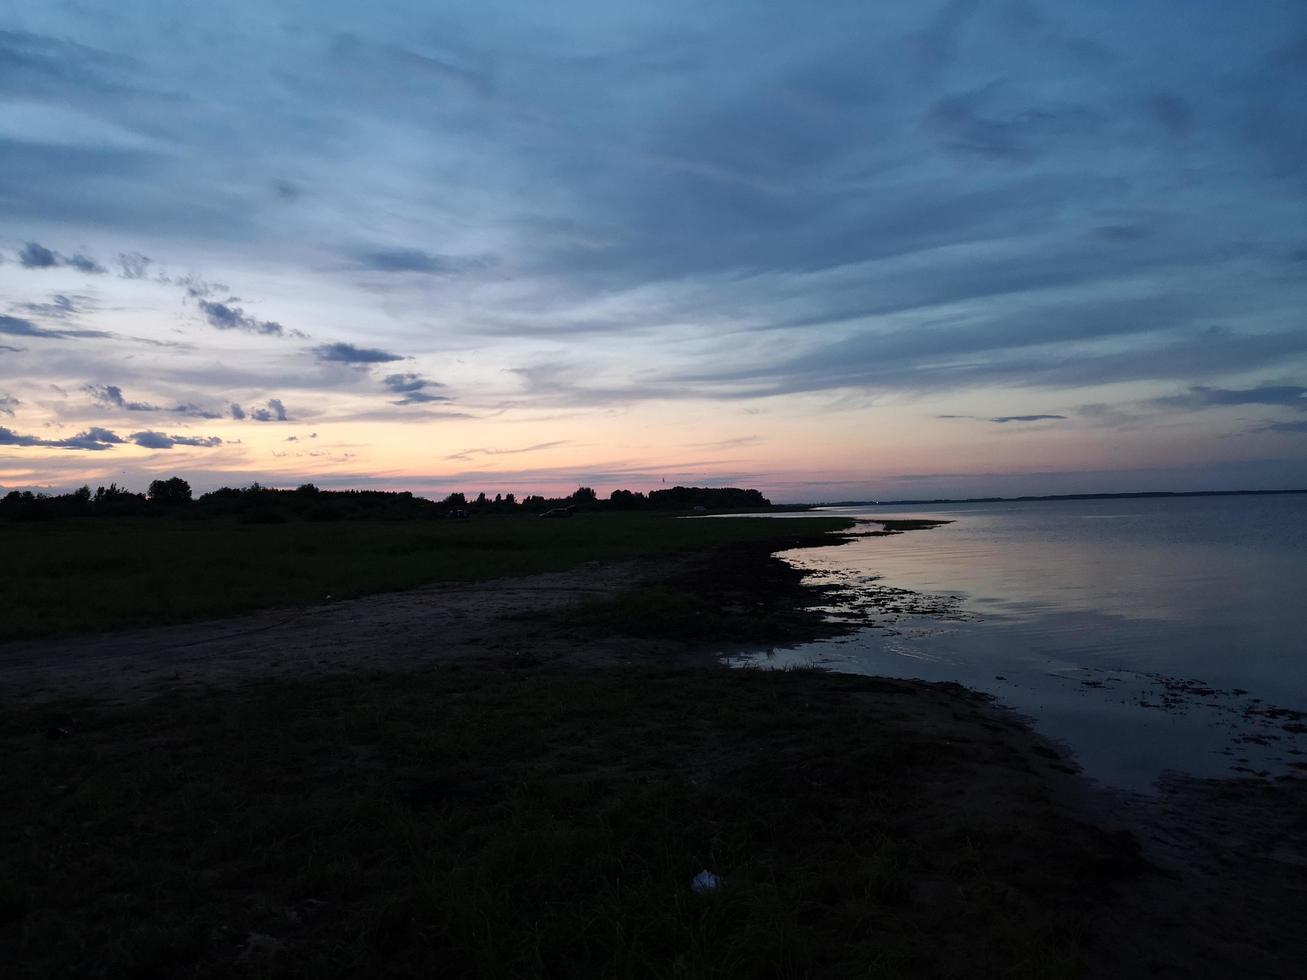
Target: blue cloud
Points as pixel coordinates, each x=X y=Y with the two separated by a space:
x=342 y=353
x=226 y=317
x=94 y=439
x=34 y=256
x=158 y=440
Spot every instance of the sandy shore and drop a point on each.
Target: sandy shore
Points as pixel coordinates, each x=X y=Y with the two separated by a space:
x=1224 y=893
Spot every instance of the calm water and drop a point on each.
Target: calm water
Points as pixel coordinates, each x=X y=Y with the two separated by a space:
x=1085 y=615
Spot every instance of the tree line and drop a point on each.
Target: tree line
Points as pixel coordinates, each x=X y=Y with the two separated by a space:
x=259 y=504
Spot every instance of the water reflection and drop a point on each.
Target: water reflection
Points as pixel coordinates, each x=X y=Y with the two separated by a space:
x=1081 y=610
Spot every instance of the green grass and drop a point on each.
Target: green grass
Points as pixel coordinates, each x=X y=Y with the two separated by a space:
x=521 y=823
x=78 y=576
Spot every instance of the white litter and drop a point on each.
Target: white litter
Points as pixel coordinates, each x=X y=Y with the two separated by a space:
x=704 y=881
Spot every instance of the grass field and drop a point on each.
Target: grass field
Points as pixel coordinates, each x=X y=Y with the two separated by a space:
x=73 y=576
x=470 y=821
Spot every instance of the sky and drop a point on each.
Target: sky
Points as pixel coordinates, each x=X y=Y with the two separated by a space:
x=832 y=251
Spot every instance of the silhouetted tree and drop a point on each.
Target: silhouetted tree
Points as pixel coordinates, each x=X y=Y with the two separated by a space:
x=170 y=493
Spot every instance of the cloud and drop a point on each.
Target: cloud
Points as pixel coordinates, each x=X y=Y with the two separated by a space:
x=402 y=383
x=1004 y=419
x=158 y=440
x=112 y=396
x=470 y=453
x=1282 y=427
x=35 y=256
x=7 y=405
x=1024 y=418
x=20 y=327
x=274 y=412
x=8 y=437
x=94 y=439
x=400 y=260
x=236 y=411
x=1200 y=396
x=341 y=353
x=133 y=265
x=226 y=317
x=867 y=211
x=60 y=307
x=410 y=387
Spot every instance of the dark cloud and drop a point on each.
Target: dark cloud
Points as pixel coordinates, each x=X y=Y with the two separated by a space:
x=94 y=439
x=197 y=287
x=411 y=386
x=274 y=411
x=400 y=260
x=341 y=353
x=7 y=405
x=226 y=317
x=419 y=398
x=112 y=396
x=133 y=265
x=1004 y=419
x=1282 y=427
x=35 y=256
x=1199 y=396
x=158 y=440
x=236 y=411
x=20 y=327
x=60 y=307
x=1001 y=419
x=8 y=437
x=83 y=264
x=401 y=383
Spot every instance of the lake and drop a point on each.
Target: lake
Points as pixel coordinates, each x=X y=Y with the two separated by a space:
x=1148 y=635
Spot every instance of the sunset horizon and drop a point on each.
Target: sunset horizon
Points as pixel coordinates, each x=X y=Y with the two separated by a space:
x=958 y=251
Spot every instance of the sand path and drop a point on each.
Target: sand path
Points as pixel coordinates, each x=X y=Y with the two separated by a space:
x=391 y=631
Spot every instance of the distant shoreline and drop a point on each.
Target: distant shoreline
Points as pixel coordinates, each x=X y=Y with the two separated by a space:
x=1148 y=494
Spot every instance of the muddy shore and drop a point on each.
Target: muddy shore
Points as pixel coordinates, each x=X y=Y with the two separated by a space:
x=1221 y=889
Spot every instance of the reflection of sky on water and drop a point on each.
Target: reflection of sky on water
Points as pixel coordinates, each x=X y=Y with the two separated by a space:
x=1070 y=595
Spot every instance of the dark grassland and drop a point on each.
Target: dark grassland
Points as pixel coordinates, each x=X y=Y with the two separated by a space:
x=478 y=820
x=77 y=576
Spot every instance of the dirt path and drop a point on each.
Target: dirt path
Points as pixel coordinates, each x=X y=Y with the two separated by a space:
x=389 y=632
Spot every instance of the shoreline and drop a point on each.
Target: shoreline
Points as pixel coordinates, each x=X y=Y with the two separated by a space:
x=1226 y=886
x=529 y=627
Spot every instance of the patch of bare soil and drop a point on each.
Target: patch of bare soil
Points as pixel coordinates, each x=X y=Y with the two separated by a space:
x=394 y=631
